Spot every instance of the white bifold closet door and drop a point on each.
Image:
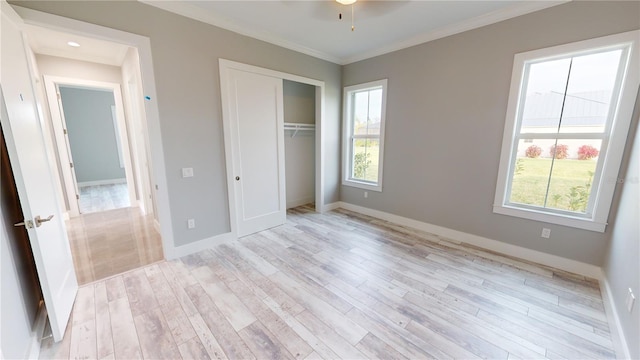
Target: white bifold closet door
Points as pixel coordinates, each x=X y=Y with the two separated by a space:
x=255 y=109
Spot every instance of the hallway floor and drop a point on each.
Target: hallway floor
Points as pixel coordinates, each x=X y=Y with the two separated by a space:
x=103 y=197
x=110 y=242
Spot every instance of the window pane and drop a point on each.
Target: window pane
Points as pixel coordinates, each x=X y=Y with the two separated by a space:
x=589 y=92
x=367 y=107
x=565 y=168
x=546 y=84
x=572 y=176
x=531 y=173
x=365 y=160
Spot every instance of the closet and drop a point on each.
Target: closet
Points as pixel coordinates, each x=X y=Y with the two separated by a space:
x=299 y=142
x=266 y=114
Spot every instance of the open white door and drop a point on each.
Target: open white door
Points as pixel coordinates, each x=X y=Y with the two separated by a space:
x=25 y=143
x=255 y=114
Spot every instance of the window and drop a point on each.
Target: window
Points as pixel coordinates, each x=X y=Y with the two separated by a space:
x=567 y=120
x=364 y=115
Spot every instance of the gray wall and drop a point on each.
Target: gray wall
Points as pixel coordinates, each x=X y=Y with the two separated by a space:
x=446 y=108
x=622 y=267
x=92 y=134
x=185 y=57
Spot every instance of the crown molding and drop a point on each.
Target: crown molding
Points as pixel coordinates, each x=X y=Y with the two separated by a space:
x=470 y=24
x=196 y=13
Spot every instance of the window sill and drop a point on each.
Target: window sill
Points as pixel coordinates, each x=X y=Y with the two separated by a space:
x=363 y=185
x=575 y=222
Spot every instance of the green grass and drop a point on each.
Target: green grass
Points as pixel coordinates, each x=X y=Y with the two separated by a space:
x=529 y=185
x=371 y=171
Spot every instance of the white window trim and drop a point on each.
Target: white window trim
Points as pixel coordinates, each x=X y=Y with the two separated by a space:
x=597 y=220
x=346 y=148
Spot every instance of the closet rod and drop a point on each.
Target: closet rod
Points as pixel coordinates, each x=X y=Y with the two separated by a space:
x=298 y=127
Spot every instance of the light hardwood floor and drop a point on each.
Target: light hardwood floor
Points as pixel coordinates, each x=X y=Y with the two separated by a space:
x=339 y=285
x=110 y=242
x=103 y=197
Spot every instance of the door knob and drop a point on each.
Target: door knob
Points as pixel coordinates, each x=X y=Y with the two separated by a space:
x=39 y=221
x=238 y=178
x=26 y=223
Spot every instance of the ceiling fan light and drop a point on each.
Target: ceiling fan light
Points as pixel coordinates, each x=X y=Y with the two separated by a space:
x=346 y=2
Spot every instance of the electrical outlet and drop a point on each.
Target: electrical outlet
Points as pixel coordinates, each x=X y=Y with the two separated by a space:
x=631 y=299
x=191 y=224
x=366 y=194
x=546 y=233
x=187 y=172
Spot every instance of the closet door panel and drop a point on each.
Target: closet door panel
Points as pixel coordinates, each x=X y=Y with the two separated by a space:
x=256 y=114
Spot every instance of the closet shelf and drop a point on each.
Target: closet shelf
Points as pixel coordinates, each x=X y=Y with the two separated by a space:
x=299 y=127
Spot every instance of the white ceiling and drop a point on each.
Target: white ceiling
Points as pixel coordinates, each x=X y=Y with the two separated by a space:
x=50 y=42
x=312 y=26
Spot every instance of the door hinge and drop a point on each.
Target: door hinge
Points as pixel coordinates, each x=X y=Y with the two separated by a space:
x=58 y=94
x=64 y=131
x=77 y=197
x=71 y=165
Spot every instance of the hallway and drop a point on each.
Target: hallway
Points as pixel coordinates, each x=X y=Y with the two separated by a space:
x=110 y=242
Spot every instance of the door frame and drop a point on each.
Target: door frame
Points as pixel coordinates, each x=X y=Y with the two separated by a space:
x=225 y=66
x=143 y=45
x=58 y=120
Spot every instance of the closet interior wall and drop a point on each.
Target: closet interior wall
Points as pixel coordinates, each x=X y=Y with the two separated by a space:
x=299 y=108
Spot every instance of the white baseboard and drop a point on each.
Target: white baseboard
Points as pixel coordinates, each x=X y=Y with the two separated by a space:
x=102 y=182
x=208 y=243
x=332 y=206
x=620 y=343
x=539 y=257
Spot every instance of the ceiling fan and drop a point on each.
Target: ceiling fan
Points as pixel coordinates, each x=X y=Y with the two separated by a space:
x=370 y=8
x=348 y=2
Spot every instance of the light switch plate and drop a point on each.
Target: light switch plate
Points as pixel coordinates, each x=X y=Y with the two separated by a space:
x=187 y=172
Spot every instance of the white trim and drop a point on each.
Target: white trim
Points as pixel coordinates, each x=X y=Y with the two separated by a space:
x=618 y=126
x=469 y=24
x=204 y=244
x=196 y=13
x=346 y=155
x=143 y=44
x=52 y=84
x=332 y=206
x=102 y=182
x=555 y=261
x=620 y=344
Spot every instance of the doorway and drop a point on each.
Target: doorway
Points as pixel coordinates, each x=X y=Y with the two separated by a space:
x=91 y=134
x=96 y=130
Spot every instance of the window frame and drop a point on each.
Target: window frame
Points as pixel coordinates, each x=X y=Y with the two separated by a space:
x=348 y=136
x=613 y=143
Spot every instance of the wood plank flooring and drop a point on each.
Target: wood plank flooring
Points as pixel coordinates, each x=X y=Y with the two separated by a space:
x=339 y=285
x=110 y=242
x=96 y=198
